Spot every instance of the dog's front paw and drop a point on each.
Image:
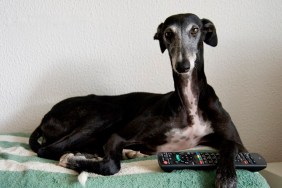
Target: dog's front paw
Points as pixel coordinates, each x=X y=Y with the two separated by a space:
x=226 y=178
x=65 y=159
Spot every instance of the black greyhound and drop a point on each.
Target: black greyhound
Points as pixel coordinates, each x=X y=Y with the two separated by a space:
x=105 y=125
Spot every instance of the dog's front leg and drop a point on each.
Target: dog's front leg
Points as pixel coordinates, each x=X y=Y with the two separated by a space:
x=109 y=165
x=225 y=173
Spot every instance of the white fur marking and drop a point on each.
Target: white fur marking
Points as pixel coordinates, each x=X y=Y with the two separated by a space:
x=131 y=154
x=192 y=59
x=64 y=159
x=189 y=27
x=194 y=133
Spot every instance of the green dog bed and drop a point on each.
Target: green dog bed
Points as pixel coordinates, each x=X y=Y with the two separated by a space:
x=20 y=167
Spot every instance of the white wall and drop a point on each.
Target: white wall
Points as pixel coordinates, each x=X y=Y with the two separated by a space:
x=51 y=50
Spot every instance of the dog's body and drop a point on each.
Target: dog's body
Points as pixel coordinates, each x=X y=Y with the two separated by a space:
x=105 y=125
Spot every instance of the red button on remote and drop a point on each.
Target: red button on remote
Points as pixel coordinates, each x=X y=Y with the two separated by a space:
x=165 y=162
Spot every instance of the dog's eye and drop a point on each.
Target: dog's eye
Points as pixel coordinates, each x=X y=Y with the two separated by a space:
x=168 y=35
x=194 y=31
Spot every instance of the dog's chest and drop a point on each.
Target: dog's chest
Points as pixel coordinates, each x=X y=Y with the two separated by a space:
x=185 y=138
x=190 y=136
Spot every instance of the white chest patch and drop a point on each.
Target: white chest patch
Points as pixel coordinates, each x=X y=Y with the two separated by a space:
x=180 y=139
x=188 y=137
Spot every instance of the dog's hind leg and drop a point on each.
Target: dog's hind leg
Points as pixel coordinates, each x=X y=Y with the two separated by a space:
x=109 y=165
x=66 y=144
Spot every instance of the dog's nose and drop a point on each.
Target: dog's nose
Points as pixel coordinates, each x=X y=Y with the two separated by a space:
x=182 y=67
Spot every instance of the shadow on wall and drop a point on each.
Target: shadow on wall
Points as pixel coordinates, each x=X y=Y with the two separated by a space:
x=61 y=81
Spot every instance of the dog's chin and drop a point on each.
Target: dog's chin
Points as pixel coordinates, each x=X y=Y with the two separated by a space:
x=182 y=73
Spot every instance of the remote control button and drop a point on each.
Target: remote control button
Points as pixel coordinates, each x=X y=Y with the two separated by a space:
x=177 y=157
x=249 y=161
x=245 y=162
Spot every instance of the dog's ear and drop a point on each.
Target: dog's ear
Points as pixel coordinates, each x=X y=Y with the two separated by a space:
x=210 y=36
x=159 y=36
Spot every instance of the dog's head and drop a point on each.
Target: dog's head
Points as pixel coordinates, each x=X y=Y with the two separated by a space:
x=183 y=36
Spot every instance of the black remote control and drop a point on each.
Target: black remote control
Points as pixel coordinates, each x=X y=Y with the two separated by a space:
x=202 y=160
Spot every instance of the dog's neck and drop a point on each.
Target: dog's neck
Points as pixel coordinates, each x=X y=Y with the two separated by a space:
x=186 y=89
x=188 y=86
